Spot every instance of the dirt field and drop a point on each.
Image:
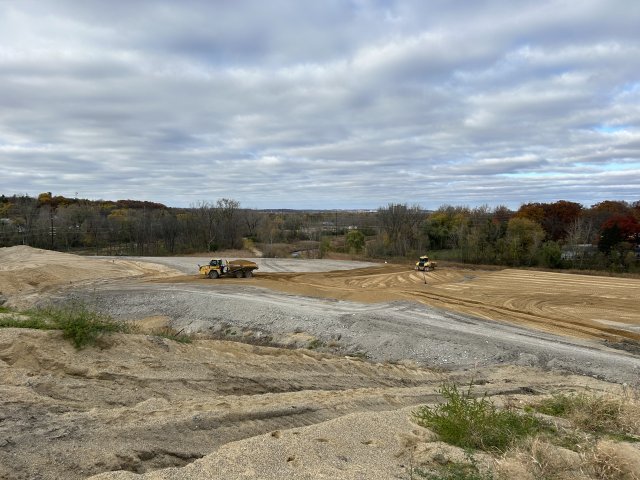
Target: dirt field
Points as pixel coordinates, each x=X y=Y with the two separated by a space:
x=577 y=305
x=596 y=307
x=158 y=409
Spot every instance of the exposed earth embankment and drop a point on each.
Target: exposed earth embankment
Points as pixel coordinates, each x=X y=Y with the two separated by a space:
x=148 y=405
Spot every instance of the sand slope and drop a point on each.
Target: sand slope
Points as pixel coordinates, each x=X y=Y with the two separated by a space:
x=25 y=271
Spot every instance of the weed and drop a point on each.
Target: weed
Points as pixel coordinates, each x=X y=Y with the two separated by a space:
x=170 y=334
x=315 y=343
x=35 y=323
x=359 y=355
x=469 y=422
x=82 y=326
x=455 y=471
x=78 y=324
x=597 y=414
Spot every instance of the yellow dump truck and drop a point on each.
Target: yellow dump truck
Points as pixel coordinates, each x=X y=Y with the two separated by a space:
x=218 y=267
x=424 y=264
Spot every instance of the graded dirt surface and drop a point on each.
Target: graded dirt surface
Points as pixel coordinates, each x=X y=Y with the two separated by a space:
x=140 y=406
x=595 y=307
x=568 y=304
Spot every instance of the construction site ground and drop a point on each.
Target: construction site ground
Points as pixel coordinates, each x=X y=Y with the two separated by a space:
x=333 y=358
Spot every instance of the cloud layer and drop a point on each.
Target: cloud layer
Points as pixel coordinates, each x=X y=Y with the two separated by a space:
x=333 y=104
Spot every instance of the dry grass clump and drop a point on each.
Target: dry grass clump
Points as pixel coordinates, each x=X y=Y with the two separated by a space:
x=172 y=334
x=538 y=458
x=601 y=414
x=615 y=460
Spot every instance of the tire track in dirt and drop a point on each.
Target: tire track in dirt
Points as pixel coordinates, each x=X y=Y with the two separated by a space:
x=583 y=306
x=142 y=403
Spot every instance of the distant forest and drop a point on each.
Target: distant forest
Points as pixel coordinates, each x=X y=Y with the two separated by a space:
x=563 y=234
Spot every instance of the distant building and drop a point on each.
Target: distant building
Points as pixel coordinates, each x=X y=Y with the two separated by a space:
x=574 y=252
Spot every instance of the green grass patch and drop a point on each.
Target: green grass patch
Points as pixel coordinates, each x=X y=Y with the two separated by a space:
x=476 y=423
x=17 y=322
x=454 y=471
x=79 y=325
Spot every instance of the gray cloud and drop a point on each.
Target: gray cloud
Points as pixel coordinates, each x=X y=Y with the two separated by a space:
x=322 y=104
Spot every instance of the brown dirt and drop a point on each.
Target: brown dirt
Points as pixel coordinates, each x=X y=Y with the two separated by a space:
x=582 y=306
x=215 y=409
x=142 y=403
x=27 y=272
x=568 y=304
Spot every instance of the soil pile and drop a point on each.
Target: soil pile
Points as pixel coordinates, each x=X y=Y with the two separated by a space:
x=25 y=271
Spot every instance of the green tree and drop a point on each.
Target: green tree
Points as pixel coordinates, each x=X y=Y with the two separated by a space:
x=551 y=255
x=355 y=241
x=522 y=241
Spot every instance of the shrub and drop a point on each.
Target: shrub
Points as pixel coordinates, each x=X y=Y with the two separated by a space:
x=82 y=326
x=469 y=422
x=78 y=324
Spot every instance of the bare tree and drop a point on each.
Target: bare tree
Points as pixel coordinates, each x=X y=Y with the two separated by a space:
x=400 y=224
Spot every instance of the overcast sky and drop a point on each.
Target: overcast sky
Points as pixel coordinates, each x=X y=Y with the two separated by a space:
x=322 y=104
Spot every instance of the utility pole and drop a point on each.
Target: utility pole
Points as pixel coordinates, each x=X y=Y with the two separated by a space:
x=52 y=232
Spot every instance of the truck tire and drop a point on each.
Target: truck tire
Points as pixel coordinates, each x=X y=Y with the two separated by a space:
x=239 y=274
x=248 y=274
x=213 y=274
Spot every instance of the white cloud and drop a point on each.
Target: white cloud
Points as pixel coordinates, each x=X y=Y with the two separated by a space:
x=324 y=104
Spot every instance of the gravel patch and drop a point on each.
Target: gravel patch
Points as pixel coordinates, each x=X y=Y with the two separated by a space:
x=382 y=332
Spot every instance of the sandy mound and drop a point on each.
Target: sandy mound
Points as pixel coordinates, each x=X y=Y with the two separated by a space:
x=25 y=270
x=358 y=446
x=214 y=409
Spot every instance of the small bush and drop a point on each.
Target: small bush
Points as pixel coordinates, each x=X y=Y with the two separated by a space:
x=82 y=326
x=469 y=422
x=78 y=324
x=315 y=343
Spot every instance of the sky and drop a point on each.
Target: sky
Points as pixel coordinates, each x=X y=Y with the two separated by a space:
x=321 y=104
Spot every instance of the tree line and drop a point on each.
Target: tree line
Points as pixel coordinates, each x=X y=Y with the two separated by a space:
x=561 y=234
